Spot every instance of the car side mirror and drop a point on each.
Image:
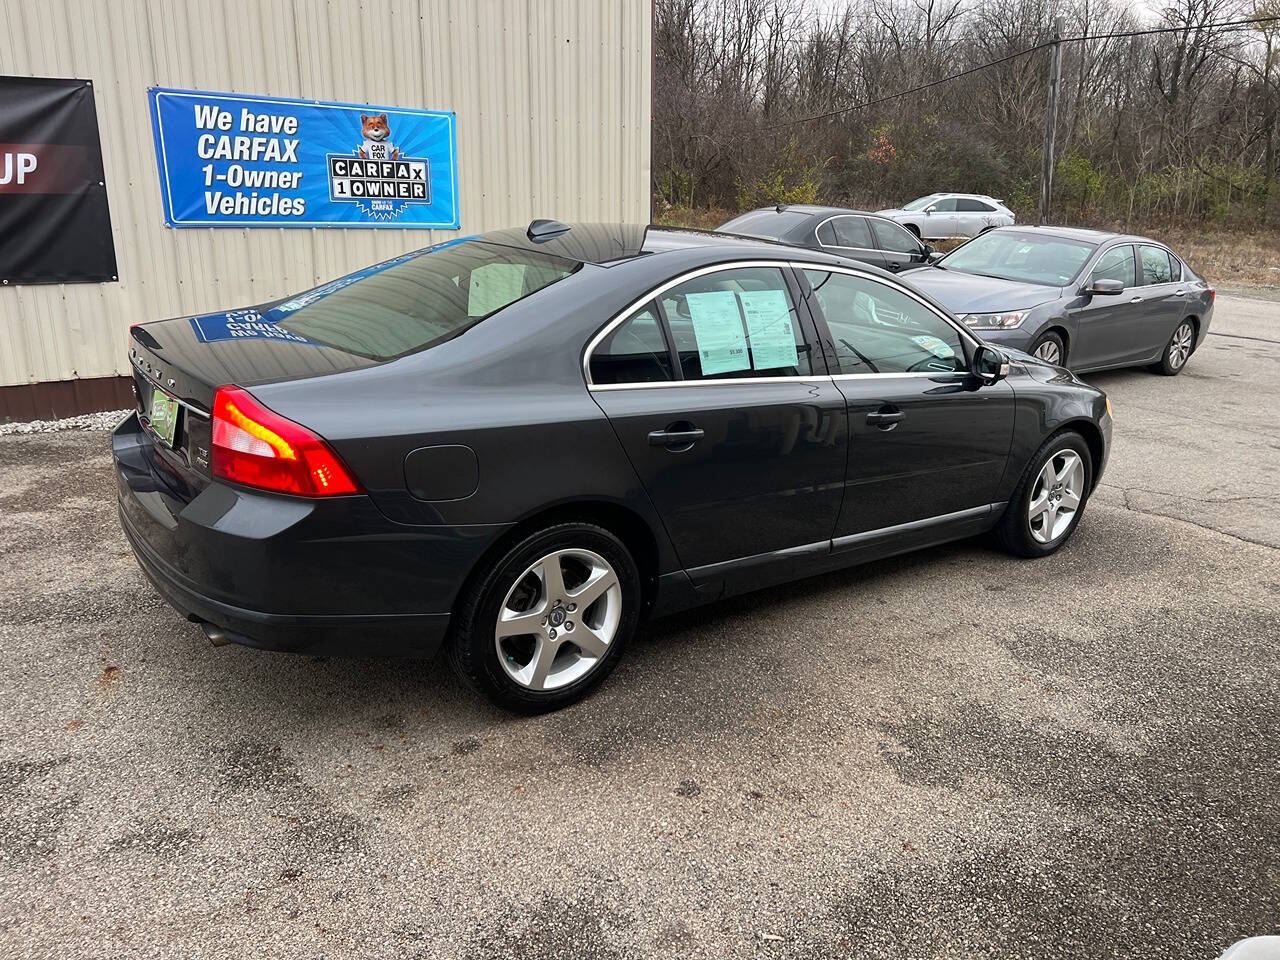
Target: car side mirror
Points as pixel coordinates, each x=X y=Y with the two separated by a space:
x=1105 y=287
x=929 y=209
x=989 y=364
x=931 y=255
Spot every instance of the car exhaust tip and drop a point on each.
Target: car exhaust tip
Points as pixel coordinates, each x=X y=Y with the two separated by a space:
x=217 y=636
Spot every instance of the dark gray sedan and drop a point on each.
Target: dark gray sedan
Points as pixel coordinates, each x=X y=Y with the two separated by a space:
x=1083 y=299
x=856 y=234
x=520 y=444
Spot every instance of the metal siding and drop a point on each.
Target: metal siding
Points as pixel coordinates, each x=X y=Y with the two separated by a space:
x=552 y=98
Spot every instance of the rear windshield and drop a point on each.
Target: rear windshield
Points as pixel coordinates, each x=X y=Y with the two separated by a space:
x=765 y=223
x=418 y=300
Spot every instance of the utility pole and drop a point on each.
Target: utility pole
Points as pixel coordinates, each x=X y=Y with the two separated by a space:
x=1051 y=118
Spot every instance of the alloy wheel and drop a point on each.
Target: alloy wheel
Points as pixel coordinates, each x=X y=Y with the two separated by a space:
x=1180 y=345
x=1056 y=496
x=1049 y=352
x=556 y=623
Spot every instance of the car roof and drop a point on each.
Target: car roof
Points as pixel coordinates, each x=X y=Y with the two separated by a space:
x=814 y=209
x=1084 y=234
x=604 y=244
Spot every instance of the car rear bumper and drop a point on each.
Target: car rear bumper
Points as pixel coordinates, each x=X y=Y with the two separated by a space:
x=332 y=577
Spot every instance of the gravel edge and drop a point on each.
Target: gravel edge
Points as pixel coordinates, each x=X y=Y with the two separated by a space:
x=106 y=420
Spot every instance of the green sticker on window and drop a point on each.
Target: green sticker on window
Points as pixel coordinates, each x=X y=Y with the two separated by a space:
x=773 y=341
x=717 y=327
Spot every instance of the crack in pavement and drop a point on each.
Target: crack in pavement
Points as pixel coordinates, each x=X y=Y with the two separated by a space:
x=1128 y=505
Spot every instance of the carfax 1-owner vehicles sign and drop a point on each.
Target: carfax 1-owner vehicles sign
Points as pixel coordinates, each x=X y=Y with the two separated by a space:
x=237 y=161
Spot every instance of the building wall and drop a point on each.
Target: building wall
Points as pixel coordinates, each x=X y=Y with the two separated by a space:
x=552 y=100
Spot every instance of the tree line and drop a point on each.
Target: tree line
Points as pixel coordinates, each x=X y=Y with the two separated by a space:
x=1179 y=123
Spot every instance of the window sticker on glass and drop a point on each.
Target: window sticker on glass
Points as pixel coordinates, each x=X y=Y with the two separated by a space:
x=773 y=343
x=493 y=286
x=717 y=327
x=935 y=346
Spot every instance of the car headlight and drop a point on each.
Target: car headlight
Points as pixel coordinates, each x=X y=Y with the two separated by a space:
x=995 y=321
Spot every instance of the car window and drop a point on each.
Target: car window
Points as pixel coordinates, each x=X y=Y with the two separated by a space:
x=969 y=205
x=1027 y=257
x=420 y=299
x=879 y=329
x=1116 y=264
x=635 y=351
x=851 y=232
x=945 y=206
x=736 y=323
x=1177 y=267
x=893 y=238
x=1155 y=265
x=920 y=202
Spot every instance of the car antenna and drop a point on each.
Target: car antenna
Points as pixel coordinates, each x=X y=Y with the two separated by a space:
x=780 y=208
x=542 y=230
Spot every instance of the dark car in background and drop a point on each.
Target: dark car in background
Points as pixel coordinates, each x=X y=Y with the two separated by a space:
x=1084 y=299
x=855 y=234
x=521 y=443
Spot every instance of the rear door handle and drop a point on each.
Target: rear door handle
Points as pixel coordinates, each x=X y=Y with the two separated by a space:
x=886 y=418
x=677 y=436
x=1136 y=300
x=1179 y=293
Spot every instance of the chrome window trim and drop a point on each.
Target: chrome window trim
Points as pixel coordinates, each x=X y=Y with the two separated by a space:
x=932 y=375
x=726 y=381
x=840 y=246
x=965 y=335
x=626 y=312
x=636 y=305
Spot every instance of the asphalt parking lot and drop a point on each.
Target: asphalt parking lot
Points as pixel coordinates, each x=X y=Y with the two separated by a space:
x=950 y=754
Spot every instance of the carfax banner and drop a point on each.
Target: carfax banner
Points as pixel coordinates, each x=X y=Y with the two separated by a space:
x=55 y=226
x=237 y=161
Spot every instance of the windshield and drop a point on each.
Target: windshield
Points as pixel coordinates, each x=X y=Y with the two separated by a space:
x=769 y=224
x=412 y=302
x=921 y=203
x=1051 y=261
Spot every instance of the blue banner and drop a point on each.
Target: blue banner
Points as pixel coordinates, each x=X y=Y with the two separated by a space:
x=237 y=161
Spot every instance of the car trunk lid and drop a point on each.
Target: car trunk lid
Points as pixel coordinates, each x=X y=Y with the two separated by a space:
x=178 y=364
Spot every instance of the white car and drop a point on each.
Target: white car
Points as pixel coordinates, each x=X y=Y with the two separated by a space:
x=942 y=215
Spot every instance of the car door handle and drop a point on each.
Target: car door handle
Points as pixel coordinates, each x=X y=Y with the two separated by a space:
x=895 y=266
x=682 y=438
x=1179 y=293
x=1136 y=300
x=886 y=418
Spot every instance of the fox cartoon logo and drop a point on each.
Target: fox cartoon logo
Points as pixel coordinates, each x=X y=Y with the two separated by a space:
x=377 y=144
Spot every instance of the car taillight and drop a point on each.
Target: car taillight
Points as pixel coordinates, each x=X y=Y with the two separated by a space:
x=259 y=448
x=1213 y=295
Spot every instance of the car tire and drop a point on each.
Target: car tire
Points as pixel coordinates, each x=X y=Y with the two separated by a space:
x=1050 y=343
x=913 y=229
x=1027 y=528
x=1176 y=353
x=546 y=669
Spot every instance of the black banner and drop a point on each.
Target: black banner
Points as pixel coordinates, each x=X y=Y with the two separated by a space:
x=54 y=223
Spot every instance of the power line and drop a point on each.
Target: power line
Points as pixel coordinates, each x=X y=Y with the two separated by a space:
x=1229 y=26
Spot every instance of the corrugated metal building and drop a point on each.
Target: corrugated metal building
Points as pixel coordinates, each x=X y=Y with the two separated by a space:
x=553 y=116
